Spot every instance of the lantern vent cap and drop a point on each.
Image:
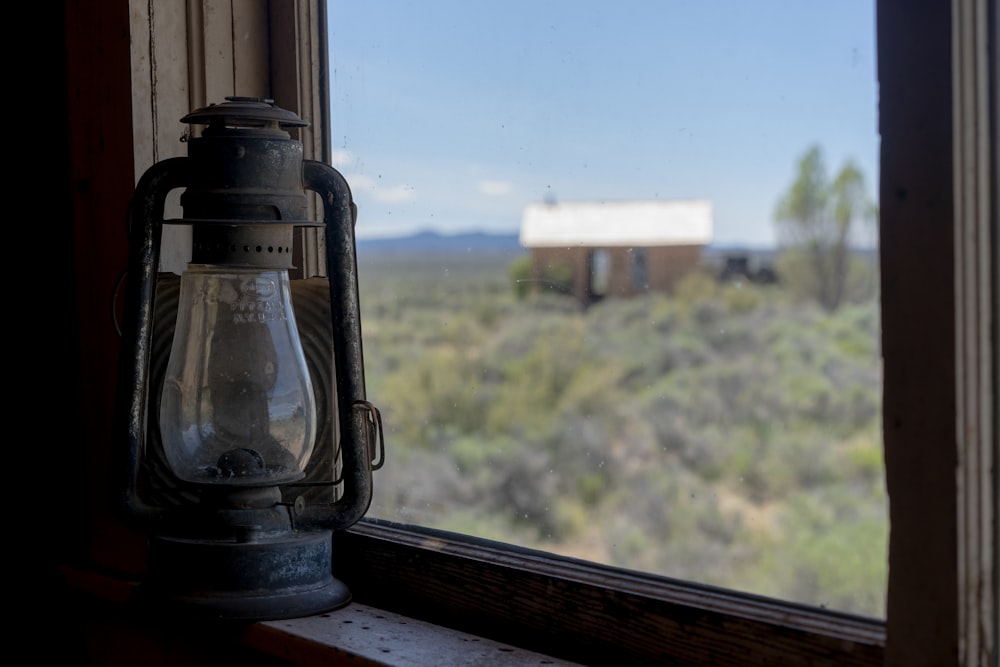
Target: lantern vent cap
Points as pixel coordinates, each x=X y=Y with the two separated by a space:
x=245 y=112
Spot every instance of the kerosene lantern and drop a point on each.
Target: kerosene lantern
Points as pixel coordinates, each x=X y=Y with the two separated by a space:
x=246 y=437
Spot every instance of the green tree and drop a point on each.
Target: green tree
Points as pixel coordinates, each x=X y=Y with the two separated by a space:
x=815 y=219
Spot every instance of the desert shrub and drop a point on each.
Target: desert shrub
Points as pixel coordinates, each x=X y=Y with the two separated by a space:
x=434 y=397
x=830 y=554
x=555 y=277
x=519 y=272
x=699 y=286
x=671 y=433
x=742 y=297
x=863 y=458
x=797 y=274
x=800 y=279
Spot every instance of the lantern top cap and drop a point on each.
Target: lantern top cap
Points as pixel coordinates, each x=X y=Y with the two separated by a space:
x=245 y=112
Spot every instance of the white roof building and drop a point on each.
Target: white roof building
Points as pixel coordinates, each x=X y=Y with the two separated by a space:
x=617 y=223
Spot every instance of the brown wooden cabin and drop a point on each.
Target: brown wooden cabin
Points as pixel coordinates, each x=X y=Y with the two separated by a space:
x=615 y=249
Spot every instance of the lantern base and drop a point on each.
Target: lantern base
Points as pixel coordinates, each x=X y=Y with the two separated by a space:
x=265 y=579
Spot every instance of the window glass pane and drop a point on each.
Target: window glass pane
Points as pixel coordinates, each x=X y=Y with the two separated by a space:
x=677 y=371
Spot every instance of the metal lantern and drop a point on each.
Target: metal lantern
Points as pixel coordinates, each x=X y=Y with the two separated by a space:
x=246 y=437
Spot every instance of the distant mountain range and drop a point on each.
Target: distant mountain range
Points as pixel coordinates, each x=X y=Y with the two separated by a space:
x=436 y=242
x=430 y=241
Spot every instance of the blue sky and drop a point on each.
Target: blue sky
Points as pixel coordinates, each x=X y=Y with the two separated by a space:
x=455 y=115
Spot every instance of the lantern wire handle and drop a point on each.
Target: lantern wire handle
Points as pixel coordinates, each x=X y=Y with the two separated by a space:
x=374 y=427
x=374 y=418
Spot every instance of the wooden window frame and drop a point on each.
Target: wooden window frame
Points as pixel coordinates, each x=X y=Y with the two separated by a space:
x=938 y=194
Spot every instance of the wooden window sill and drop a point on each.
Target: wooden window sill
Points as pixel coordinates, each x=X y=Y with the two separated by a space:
x=428 y=597
x=587 y=612
x=357 y=634
x=363 y=635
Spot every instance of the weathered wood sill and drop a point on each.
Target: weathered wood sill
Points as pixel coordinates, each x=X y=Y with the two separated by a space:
x=356 y=635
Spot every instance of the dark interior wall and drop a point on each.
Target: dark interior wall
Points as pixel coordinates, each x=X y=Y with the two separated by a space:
x=54 y=315
x=53 y=487
x=46 y=371
x=102 y=179
x=75 y=120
